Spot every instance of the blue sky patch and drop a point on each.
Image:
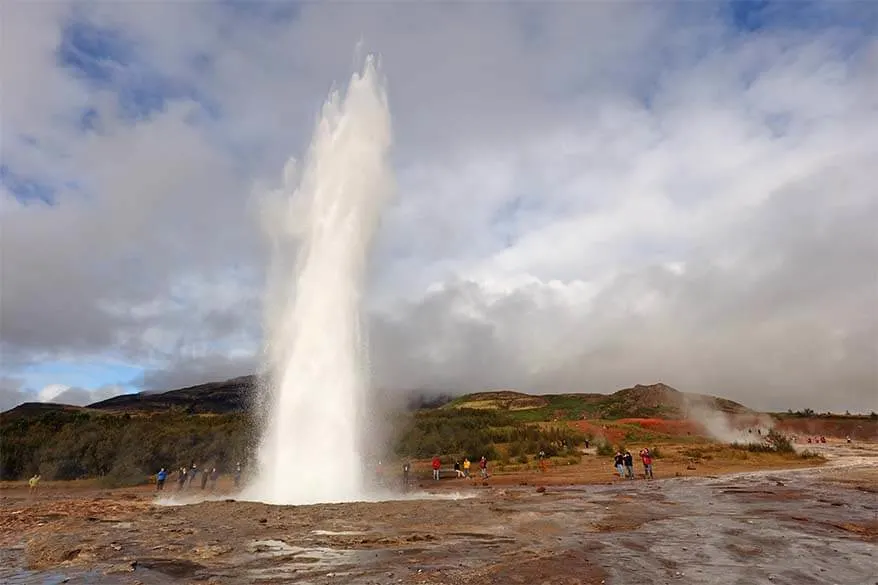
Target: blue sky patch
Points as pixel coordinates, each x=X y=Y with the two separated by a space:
x=26 y=189
x=106 y=59
x=87 y=375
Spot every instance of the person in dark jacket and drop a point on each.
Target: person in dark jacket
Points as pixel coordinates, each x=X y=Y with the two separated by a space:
x=628 y=460
x=619 y=462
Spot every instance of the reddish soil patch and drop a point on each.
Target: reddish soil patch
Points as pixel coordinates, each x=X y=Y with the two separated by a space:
x=861 y=429
x=676 y=428
x=611 y=433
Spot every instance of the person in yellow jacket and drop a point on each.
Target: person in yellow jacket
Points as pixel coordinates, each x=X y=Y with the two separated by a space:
x=466 y=465
x=34 y=484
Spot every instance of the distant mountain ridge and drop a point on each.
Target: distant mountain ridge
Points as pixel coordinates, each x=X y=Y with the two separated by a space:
x=233 y=396
x=639 y=401
x=212 y=398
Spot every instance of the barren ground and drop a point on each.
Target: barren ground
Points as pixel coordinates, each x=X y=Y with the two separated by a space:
x=725 y=522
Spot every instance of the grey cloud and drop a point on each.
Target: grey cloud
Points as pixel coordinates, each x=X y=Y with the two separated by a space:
x=592 y=144
x=12 y=393
x=197 y=370
x=791 y=325
x=83 y=397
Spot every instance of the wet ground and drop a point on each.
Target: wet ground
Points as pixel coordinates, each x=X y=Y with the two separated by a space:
x=798 y=527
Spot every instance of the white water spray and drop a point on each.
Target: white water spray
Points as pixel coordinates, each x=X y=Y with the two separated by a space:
x=317 y=353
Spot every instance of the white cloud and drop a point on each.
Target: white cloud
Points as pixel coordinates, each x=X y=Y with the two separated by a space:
x=590 y=195
x=63 y=394
x=51 y=391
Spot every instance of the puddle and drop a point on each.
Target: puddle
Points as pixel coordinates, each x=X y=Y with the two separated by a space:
x=189 y=499
x=289 y=560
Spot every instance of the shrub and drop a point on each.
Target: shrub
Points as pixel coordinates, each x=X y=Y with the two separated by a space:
x=753 y=447
x=774 y=442
x=523 y=459
x=779 y=442
x=605 y=449
x=516 y=449
x=124 y=474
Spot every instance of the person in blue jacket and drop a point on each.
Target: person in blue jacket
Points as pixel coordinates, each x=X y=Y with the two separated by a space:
x=160 y=478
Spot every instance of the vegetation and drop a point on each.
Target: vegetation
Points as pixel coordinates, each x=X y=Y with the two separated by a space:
x=774 y=442
x=475 y=433
x=121 y=449
x=124 y=449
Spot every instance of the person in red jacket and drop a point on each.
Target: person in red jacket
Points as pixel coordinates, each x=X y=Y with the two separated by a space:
x=437 y=465
x=646 y=458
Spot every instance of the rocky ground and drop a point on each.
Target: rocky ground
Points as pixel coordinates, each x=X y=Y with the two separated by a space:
x=795 y=527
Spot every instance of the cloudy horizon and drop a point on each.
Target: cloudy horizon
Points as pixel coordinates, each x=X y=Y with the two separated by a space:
x=590 y=196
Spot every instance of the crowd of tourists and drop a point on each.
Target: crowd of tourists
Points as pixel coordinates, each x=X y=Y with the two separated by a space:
x=624 y=463
x=192 y=477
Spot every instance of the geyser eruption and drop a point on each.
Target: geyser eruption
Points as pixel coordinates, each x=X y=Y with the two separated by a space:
x=326 y=215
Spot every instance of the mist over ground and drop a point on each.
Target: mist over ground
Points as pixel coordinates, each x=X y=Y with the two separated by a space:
x=590 y=196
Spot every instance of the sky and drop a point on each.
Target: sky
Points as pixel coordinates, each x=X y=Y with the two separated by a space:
x=590 y=195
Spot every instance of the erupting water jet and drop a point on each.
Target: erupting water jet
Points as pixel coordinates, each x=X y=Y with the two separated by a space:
x=326 y=215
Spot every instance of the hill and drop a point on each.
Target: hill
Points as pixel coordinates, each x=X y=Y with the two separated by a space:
x=123 y=439
x=37 y=409
x=229 y=396
x=233 y=396
x=640 y=401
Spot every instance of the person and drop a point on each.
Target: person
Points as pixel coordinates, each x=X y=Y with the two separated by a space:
x=406 y=468
x=646 y=458
x=437 y=465
x=587 y=443
x=628 y=460
x=238 y=471
x=181 y=479
x=204 y=477
x=466 y=466
x=483 y=467
x=542 y=458
x=160 y=478
x=457 y=469
x=193 y=471
x=34 y=484
x=214 y=475
x=619 y=463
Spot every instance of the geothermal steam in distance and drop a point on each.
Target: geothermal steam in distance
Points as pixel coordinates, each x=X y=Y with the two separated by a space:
x=325 y=217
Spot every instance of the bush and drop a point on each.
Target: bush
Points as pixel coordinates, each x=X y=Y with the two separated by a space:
x=523 y=459
x=753 y=447
x=516 y=449
x=779 y=442
x=774 y=442
x=124 y=474
x=605 y=449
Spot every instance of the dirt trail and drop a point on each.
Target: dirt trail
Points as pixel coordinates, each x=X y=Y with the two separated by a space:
x=798 y=527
